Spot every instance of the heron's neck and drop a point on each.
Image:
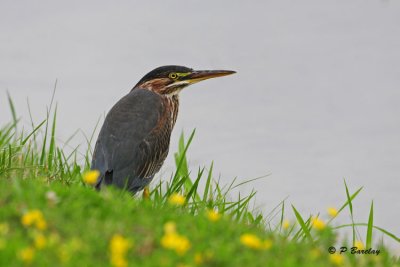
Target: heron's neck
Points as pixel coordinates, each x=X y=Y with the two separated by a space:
x=172 y=103
x=152 y=85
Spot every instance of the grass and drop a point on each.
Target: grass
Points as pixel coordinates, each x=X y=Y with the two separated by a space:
x=50 y=217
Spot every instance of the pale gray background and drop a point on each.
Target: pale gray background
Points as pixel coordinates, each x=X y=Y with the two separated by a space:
x=316 y=98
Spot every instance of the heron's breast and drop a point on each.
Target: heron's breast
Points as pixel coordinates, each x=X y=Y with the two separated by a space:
x=167 y=119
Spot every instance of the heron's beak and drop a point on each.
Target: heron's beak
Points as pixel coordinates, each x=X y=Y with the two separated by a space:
x=200 y=75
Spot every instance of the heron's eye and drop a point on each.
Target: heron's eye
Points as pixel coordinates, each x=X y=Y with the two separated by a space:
x=173 y=75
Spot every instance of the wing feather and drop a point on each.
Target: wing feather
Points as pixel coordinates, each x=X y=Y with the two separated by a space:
x=130 y=142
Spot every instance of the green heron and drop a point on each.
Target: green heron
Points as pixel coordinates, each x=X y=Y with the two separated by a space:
x=134 y=139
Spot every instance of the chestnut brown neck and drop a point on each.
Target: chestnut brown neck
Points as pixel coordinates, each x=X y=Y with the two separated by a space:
x=158 y=85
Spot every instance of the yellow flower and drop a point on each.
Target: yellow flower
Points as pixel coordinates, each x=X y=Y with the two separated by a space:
x=119 y=261
x=34 y=217
x=41 y=224
x=317 y=223
x=90 y=177
x=31 y=217
x=254 y=242
x=40 y=241
x=333 y=212
x=177 y=199
x=213 y=215
x=119 y=245
x=359 y=244
x=251 y=241
x=285 y=224
x=336 y=259
x=174 y=241
x=118 y=248
x=27 y=254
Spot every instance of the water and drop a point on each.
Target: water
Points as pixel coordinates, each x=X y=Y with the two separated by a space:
x=315 y=100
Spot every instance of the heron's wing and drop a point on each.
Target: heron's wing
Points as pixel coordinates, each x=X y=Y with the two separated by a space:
x=127 y=139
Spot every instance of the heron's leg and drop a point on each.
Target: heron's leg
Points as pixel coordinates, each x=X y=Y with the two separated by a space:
x=146 y=193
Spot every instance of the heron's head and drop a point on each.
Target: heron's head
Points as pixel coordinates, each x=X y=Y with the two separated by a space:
x=170 y=80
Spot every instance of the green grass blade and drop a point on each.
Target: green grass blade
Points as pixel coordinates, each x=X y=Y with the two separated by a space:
x=208 y=182
x=349 y=201
x=250 y=181
x=193 y=189
x=352 y=197
x=386 y=232
x=6 y=135
x=13 y=112
x=282 y=216
x=182 y=159
x=50 y=156
x=302 y=224
x=32 y=133
x=242 y=207
x=43 y=154
x=370 y=226
x=31 y=118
